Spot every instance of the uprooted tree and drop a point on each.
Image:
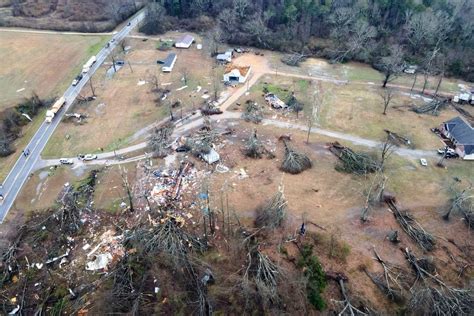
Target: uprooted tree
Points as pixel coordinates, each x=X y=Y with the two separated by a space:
x=295 y=162
x=273 y=212
x=160 y=140
x=254 y=148
x=353 y=162
x=253 y=112
x=461 y=202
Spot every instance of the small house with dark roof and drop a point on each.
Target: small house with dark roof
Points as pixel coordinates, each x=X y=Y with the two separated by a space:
x=461 y=133
x=168 y=63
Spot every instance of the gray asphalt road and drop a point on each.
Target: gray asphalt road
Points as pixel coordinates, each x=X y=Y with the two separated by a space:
x=24 y=165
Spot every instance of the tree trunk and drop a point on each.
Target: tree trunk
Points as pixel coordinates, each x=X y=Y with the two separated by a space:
x=425 y=84
x=385 y=81
x=439 y=84
x=414 y=82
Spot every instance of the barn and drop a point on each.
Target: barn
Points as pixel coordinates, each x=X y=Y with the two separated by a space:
x=184 y=42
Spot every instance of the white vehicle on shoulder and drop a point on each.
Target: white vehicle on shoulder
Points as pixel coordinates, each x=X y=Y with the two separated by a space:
x=423 y=162
x=66 y=161
x=89 y=157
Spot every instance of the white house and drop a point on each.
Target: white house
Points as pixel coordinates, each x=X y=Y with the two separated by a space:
x=236 y=74
x=169 y=62
x=184 y=42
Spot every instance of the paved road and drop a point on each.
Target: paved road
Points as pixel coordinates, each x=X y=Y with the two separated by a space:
x=24 y=165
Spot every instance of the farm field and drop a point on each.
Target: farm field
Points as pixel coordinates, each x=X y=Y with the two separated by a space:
x=41 y=63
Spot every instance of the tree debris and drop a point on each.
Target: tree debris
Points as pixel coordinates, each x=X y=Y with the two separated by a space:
x=253 y=112
x=159 y=141
x=254 y=148
x=273 y=212
x=408 y=223
x=295 y=162
x=432 y=108
x=352 y=162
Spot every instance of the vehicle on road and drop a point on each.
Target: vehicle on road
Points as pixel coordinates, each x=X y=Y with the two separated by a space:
x=87 y=66
x=66 y=161
x=107 y=45
x=87 y=157
x=50 y=114
x=76 y=80
x=129 y=23
x=1 y=199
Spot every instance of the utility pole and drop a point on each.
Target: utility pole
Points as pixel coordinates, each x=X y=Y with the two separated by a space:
x=92 y=87
x=113 y=63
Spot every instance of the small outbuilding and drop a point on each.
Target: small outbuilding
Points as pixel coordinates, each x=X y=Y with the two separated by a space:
x=236 y=74
x=184 y=42
x=169 y=62
x=461 y=133
x=226 y=57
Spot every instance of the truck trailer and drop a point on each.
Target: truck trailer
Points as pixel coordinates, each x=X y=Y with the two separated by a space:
x=87 y=66
x=50 y=114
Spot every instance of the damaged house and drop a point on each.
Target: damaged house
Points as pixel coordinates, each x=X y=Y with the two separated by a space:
x=461 y=133
x=236 y=74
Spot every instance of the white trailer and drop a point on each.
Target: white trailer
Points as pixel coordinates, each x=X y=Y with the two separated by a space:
x=50 y=114
x=87 y=66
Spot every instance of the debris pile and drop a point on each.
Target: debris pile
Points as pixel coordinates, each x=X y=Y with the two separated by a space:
x=275 y=102
x=293 y=59
x=254 y=148
x=169 y=184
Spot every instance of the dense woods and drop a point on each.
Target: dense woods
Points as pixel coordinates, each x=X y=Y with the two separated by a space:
x=436 y=35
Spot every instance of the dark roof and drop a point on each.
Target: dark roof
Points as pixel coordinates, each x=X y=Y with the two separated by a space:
x=169 y=60
x=460 y=130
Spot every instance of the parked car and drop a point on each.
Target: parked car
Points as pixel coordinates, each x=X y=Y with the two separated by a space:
x=447 y=149
x=66 y=161
x=89 y=157
x=76 y=80
x=423 y=162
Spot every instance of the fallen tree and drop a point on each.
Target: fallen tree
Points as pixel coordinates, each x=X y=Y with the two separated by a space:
x=353 y=162
x=254 y=148
x=253 y=112
x=413 y=229
x=295 y=162
x=432 y=108
x=159 y=140
x=273 y=212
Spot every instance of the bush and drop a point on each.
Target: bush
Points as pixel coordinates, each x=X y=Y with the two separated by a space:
x=315 y=275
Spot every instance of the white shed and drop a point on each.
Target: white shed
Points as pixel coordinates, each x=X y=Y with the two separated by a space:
x=184 y=42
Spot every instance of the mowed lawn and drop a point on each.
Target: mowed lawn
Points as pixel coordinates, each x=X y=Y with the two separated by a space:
x=354 y=108
x=41 y=63
x=126 y=103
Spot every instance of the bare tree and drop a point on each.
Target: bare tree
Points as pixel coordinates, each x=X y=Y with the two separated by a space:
x=387 y=97
x=392 y=65
x=315 y=111
x=128 y=189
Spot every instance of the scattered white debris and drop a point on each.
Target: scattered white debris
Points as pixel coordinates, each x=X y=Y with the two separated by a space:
x=221 y=168
x=243 y=174
x=141 y=83
x=205 y=97
x=63 y=261
x=71 y=292
x=166 y=83
x=157 y=289
x=199 y=46
x=60 y=257
x=198 y=89
x=101 y=261
x=15 y=310
x=27 y=116
x=20 y=90
x=123 y=205
x=164 y=97
x=38 y=266
x=86 y=246
x=182 y=88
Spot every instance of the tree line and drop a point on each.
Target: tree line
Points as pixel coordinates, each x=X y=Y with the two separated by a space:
x=435 y=35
